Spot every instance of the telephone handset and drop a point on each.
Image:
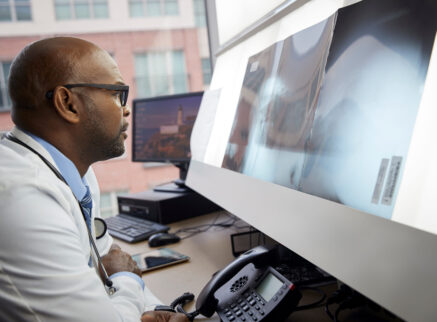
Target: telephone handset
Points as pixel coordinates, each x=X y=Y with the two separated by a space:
x=249 y=289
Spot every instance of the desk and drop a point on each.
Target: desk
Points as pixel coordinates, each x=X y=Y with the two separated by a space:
x=209 y=252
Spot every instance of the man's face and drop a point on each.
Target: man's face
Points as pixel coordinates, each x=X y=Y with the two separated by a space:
x=105 y=121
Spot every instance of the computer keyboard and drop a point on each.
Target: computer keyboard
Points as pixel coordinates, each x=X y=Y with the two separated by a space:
x=132 y=229
x=305 y=274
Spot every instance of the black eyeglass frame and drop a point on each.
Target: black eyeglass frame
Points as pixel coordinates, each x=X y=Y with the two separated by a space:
x=123 y=89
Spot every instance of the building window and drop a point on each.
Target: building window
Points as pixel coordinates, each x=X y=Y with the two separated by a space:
x=141 y=8
x=206 y=71
x=199 y=13
x=81 y=9
x=5 y=101
x=109 y=203
x=160 y=73
x=15 y=10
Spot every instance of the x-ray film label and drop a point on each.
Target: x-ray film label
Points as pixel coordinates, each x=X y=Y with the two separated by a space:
x=392 y=178
x=380 y=181
x=254 y=66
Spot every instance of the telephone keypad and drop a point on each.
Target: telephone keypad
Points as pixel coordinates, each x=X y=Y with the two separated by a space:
x=249 y=306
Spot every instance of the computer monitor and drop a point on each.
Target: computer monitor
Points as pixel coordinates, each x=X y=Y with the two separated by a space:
x=325 y=140
x=161 y=132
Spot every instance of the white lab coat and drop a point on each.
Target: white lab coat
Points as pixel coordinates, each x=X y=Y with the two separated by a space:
x=44 y=247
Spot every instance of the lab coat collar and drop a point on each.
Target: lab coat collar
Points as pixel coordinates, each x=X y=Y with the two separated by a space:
x=64 y=165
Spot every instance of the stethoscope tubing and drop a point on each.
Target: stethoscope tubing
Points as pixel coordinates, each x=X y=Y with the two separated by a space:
x=107 y=281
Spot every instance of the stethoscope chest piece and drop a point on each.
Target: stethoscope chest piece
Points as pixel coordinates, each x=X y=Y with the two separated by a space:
x=100 y=227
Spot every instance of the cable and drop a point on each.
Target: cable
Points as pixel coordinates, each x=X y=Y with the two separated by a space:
x=178 y=305
x=338 y=296
x=338 y=310
x=314 y=304
x=347 y=298
x=194 y=230
x=184 y=298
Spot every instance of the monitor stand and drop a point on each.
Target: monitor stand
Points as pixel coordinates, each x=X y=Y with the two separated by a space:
x=177 y=185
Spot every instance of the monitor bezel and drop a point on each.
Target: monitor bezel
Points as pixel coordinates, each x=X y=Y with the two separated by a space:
x=136 y=101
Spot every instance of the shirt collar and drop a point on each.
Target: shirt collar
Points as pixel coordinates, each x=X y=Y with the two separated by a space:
x=66 y=167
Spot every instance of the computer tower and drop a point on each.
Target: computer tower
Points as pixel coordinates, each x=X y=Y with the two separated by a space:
x=165 y=207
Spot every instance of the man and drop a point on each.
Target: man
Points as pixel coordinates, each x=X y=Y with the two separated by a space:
x=69 y=108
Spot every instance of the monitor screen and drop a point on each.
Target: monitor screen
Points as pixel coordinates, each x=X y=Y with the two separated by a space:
x=325 y=130
x=162 y=127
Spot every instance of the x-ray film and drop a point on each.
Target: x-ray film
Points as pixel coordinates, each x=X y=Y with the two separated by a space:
x=319 y=110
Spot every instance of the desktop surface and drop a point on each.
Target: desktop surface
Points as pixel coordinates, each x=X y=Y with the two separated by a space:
x=211 y=251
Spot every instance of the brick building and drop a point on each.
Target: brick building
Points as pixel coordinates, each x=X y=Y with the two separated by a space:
x=161 y=48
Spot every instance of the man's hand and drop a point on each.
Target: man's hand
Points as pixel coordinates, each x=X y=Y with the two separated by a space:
x=163 y=316
x=119 y=261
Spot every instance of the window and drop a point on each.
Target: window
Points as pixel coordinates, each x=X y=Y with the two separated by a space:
x=206 y=71
x=199 y=13
x=141 y=8
x=160 y=73
x=158 y=53
x=5 y=102
x=15 y=10
x=109 y=203
x=81 y=9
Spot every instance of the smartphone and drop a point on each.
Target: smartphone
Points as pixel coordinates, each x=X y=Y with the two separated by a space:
x=158 y=258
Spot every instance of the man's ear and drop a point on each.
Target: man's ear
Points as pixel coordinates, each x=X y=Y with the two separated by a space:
x=66 y=104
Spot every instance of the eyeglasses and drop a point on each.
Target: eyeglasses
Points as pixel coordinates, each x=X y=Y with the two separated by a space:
x=123 y=89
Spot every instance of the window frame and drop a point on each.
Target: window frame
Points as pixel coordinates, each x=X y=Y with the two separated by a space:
x=199 y=15
x=145 y=12
x=5 y=103
x=12 y=5
x=72 y=9
x=206 y=74
x=169 y=74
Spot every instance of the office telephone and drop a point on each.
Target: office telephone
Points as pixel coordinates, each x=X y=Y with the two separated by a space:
x=249 y=289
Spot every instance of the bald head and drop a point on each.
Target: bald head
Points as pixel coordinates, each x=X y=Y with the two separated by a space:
x=86 y=123
x=43 y=65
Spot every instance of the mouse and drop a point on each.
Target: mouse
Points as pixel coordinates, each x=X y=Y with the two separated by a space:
x=161 y=239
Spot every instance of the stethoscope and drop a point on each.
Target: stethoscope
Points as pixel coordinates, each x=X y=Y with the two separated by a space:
x=99 y=224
